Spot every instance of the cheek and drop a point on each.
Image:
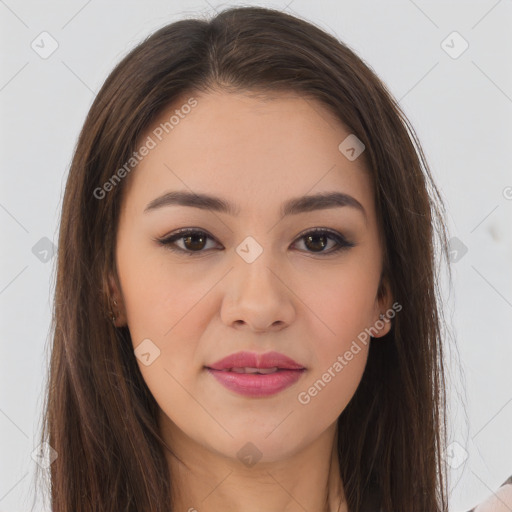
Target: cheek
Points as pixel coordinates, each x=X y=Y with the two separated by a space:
x=333 y=383
x=343 y=307
x=166 y=305
x=160 y=299
x=341 y=352
x=343 y=301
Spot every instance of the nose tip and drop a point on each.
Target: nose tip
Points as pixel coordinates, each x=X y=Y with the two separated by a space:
x=255 y=298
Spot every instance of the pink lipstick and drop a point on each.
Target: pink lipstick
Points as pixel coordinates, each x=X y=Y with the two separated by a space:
x=256 y=375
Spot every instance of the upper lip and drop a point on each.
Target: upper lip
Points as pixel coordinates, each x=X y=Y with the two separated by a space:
x=256 y=360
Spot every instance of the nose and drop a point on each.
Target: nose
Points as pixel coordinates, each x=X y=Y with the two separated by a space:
x=257 y=296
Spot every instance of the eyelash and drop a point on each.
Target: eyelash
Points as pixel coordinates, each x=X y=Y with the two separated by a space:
x=167 y=242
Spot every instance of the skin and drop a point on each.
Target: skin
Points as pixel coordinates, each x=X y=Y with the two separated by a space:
x=295 y=299
x=500 y=501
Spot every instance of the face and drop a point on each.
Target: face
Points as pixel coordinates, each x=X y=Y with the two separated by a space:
x=248 y=278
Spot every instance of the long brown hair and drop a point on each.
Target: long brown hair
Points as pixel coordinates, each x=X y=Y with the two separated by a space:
x=100 y=416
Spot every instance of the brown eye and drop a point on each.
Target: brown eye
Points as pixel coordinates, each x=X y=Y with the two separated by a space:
x=193 y=240
x=317 y=240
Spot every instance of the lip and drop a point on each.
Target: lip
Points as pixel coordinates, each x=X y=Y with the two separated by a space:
x=255 y=360
x=256 y=385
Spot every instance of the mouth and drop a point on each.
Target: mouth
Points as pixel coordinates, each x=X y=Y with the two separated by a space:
x=256 y=382
x=256 y=375
x=248 y=369
x=253 y=362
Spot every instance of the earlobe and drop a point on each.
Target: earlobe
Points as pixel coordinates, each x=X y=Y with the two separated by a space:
x=382 y=326
x=384 y=308
x=116 y=307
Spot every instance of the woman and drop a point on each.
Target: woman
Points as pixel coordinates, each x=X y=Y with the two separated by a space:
x=246 y=310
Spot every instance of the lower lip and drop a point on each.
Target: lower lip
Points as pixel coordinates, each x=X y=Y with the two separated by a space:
x=257 y=385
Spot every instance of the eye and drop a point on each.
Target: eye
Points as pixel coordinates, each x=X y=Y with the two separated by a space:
x=195 y=240
x=317 y=239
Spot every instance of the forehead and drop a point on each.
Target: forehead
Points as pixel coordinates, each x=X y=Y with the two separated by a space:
x=250 y=148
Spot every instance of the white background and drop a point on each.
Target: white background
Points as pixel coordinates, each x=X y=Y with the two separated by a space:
x=461 y=109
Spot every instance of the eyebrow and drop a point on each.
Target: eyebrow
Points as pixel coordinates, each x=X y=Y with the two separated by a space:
x=292 y=206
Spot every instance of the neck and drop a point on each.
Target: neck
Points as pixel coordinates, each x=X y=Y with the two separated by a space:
x=205 y=481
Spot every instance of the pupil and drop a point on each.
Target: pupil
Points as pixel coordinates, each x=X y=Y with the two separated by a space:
x=191 y=237
x=312 y=237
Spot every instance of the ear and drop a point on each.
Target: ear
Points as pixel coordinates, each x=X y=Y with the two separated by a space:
x=384 y=309
x=117 y=309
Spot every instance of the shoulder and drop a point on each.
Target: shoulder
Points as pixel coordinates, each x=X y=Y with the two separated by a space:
x=500 y=501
